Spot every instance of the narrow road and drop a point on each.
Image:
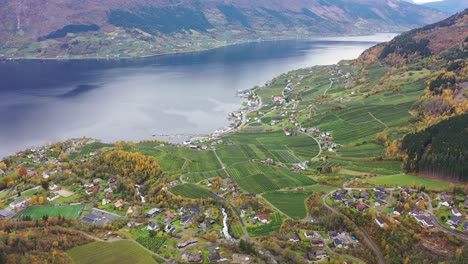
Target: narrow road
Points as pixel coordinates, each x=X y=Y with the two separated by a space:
x=364 y=235
x=331 y=84
x=318 y=143
x=436 y=222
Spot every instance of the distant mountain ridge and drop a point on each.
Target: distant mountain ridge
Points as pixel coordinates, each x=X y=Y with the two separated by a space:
x=50 y=28
x=449 y=6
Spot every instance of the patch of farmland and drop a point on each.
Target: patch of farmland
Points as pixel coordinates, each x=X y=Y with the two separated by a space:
x=124 y=252
x=290 y=203
x=259 y=178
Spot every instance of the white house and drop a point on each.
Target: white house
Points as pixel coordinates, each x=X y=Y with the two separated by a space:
x=456 y=212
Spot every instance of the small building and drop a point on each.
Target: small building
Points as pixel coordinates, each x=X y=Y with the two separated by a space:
x=106 y=201
x=119 y=203
x=309 y=234
x=454 y=221
x=294 y=237
x=263 y=218
x=168 y=214
x=456 y=212
x=21 y=202
x=53 y=197
x=337 y=242
x=380 y=222
x=317 y=242
x=7 y=213
x=192 y=258
x=152 y=227
x=214 y=256
x=153 y=211
x=320 y=254
x=186 y=220
x=424 y=220
x=397 y=211
x=361 y=207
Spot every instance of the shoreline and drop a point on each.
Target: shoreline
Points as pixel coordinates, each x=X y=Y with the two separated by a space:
x=155 y=55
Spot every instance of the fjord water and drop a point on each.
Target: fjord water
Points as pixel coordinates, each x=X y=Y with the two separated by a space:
x=190 y=93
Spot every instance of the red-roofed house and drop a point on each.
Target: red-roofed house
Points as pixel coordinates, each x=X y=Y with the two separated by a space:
x=169 y=215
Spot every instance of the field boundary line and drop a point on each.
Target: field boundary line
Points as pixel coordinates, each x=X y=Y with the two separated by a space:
x=378 y=120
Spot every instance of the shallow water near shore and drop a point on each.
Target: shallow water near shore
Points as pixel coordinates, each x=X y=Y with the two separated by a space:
x=183 y=94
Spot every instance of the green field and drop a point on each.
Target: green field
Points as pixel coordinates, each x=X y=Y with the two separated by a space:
x=195 y=177
x=405 y=180
x=259 y=178
x=264 y=229
x=192 y=191
x=122 y=252
x=67 y=211
x=276 y=146
x=290 y=203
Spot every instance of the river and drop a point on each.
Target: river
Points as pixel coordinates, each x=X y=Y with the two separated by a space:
x=189 y=93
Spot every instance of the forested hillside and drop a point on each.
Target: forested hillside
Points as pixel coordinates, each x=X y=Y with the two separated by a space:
x=440 y=150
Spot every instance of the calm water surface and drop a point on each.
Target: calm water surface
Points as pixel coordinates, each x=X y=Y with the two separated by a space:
x=192 y=93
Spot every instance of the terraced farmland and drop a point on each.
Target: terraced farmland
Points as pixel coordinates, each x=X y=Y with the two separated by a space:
x=259 y=178
x=270 y=145
x=291 y=203
x=192 y=191
x=195 y=177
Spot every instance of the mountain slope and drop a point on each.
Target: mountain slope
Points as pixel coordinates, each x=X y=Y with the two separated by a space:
x=49 y=28
x=449 y=6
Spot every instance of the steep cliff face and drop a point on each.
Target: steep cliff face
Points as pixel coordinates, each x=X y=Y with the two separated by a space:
x=27 y=22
